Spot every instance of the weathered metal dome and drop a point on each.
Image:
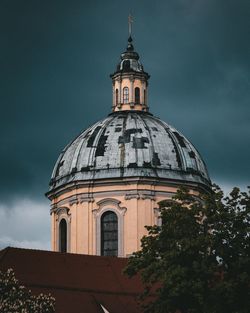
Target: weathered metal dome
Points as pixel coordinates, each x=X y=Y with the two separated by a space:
x=130 y=144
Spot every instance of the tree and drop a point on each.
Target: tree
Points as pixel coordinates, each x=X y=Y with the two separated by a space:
x=198 y=260
x=17 y=299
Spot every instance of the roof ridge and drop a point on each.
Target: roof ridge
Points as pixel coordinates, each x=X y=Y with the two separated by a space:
x=78 y=255
x=82 y=289
x=3 y=252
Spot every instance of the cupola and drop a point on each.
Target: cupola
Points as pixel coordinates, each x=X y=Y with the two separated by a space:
x=130 y=82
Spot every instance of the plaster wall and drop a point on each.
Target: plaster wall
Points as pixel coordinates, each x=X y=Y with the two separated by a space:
x=131 y=83
x=134 y=203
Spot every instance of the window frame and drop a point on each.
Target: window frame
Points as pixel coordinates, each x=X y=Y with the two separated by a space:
x=125 y=95
x=113 y=221
x=63 y=236
x=137 y=95
x=116 y=96
x=109 y=204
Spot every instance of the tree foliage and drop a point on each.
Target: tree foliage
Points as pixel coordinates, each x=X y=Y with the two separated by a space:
x=198 y=260
x=15 y=298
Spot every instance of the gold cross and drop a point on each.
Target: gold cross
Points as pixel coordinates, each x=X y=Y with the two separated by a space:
x=130 y=21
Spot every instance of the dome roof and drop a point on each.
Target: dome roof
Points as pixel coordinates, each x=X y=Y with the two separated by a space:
x=130 y=61
x=129 y=144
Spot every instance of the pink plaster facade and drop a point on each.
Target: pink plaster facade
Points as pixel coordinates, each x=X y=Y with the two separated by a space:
x=131 y=82
x=134 y=201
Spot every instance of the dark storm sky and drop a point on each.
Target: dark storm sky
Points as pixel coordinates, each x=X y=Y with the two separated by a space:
x=55 y=61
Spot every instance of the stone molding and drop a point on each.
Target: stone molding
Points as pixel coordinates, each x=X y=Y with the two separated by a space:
x=157 y=217
x=76 y=199
x=131 y=78
x=109 y=202
x=59 y=210
x=126 y=181
x=73 y=200
x=128 y=195
x=140 y=195
x=62 y=211
x=156 y=212
x=86 y=199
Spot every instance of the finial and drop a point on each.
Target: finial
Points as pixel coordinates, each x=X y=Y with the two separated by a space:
x=130 y=21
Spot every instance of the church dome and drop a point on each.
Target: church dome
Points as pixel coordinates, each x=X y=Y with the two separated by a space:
x=130 y=144
x=108 y=182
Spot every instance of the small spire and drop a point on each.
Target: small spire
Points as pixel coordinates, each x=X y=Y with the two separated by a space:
x=130 y=46
x=130 y=21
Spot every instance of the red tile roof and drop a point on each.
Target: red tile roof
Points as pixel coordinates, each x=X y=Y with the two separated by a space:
x=79 y=283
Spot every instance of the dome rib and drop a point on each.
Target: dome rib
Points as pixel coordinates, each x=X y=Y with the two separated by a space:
x=192 y=154
x=178 y=151
x=151 y=146
x=95 y=144
x=122 y=145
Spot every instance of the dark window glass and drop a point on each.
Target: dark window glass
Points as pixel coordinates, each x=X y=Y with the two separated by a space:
x=125 y=95
x=137 y=95
x=145 y=100
x=109 y=234
x=126 y=65
x=63 y=236
x=116 y=96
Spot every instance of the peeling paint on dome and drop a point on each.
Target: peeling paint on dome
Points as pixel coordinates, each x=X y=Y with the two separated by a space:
x=129 y=144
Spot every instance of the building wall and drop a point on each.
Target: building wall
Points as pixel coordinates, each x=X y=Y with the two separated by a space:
x=131 y=82
x=134 y=202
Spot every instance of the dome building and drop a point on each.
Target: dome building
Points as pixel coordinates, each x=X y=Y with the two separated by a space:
x=107 y=183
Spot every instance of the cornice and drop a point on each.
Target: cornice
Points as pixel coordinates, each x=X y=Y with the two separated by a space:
x=121 y=75
x=128 y=194
x=140 y=194
x=124 y=181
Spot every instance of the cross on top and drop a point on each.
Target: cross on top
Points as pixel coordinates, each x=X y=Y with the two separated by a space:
x=130 y=21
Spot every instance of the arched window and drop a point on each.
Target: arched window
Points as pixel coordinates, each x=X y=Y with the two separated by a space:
x=63 y=236
x=125 y=95
x=126 y=65
x=109 y=234
x=116 y=96
x=137 y=95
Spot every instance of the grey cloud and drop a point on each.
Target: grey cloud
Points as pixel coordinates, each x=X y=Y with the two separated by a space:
x=25 y=223
x=56 y=58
